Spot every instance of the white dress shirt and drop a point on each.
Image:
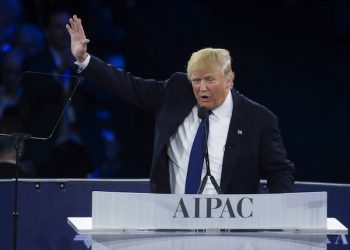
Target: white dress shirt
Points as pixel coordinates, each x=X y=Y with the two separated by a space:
x=180 y=144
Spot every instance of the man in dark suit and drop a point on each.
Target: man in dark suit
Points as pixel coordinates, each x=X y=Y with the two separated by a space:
x=244 y=141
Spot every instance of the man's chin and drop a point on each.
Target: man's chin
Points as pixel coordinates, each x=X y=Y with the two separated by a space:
x=205 y=105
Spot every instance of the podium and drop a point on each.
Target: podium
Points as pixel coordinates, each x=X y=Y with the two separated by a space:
x=169 y=221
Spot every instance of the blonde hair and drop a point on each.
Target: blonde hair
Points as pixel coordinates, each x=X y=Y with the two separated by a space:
x=209 y=58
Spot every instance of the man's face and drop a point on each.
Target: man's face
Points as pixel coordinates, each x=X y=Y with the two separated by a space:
x=210 y=87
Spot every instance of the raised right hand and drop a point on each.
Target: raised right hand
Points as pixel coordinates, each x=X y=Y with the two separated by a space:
x=77 y=38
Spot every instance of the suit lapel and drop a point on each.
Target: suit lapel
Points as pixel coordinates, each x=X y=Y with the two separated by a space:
x=179 y=106
x=235 y=138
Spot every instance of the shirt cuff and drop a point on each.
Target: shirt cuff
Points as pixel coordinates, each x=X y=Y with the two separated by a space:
x=81 y=66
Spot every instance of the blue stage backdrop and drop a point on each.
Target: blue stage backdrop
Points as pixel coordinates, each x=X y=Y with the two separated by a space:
x=44 y=206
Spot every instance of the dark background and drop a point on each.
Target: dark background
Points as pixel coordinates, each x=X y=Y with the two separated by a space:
x=289 y=55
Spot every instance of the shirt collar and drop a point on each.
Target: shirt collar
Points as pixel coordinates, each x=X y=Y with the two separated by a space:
x=225 y=109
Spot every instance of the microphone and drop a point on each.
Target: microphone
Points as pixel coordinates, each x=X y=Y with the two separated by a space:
x=203 y=113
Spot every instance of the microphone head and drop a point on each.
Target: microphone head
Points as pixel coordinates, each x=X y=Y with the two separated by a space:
x=202 y=112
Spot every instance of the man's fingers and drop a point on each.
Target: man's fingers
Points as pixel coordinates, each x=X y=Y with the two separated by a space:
x=75 y=22
x=75 y=18
x=75 y=25
x=69 y=29
x=72 y=24
x=80 y=26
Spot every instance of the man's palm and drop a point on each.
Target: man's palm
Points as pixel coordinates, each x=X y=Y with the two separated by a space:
x=78 y=38
x=78 y=46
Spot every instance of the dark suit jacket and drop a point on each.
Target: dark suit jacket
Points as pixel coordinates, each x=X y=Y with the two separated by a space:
x=257 y=151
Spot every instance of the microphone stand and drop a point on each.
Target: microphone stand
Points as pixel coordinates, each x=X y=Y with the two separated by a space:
x=208 y=173
x=18 y=146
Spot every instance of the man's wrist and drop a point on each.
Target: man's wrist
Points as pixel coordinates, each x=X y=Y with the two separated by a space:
x=82 y=58
x=82 y=65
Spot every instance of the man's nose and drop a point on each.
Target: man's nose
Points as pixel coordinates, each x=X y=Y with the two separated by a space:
x=202 y=86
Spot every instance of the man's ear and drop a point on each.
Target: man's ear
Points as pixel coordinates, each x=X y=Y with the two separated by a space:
x=229 y=83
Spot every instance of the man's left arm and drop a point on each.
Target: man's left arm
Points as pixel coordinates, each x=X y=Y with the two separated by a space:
x=274 y=164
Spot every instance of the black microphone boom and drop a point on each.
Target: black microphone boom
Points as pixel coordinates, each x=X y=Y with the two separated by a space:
x=202 y=112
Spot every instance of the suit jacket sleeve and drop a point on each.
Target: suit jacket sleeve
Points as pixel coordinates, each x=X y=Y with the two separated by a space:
x=146 y=94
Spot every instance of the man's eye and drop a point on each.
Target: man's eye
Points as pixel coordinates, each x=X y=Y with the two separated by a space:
x=210 y=79
x=196 y=81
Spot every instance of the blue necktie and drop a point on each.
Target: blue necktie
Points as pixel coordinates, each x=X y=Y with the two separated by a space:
x=195 y=164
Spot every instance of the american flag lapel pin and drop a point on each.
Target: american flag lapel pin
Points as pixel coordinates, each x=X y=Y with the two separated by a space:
x=239 y=132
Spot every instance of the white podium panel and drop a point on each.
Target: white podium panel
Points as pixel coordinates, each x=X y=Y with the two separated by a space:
x=292 y=211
